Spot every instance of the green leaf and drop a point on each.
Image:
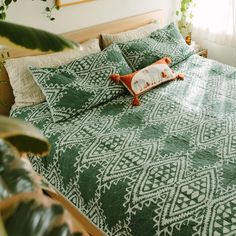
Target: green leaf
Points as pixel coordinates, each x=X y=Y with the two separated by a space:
x=34 y=38
x=25 y=137
x=2 y=16
x=8 y=2
x=30 y=217
x=16 y=176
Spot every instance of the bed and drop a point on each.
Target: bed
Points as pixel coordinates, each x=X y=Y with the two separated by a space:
x=166 y=167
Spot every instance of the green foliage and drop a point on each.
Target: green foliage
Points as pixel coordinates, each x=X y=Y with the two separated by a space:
x=6 y=4
x=34 y=38
x=24 y=209
x=15 y=177
x=185 y=16
x=25 y=137
x=49 y=10
x=36 y=219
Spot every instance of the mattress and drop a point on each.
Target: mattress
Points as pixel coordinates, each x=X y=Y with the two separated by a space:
x=166 y=167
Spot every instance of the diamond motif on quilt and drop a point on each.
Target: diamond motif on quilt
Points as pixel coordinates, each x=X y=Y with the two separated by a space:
x=74 y=195
x=53 y=177
x=108 y=144
x=221 y=216
x=190 y=195
x=186 y=121
x=212 y=131
x=229 y=149
x=86 y=131
x=129 y=160
x=165 y=110
x=95 y=214
x=155 y=179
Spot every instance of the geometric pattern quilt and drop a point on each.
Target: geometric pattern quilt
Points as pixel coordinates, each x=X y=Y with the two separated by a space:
x=166 y=167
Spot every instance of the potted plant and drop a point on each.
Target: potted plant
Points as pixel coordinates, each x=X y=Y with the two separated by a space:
x=185 y=17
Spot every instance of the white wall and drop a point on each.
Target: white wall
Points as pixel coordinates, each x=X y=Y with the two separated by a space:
x=218 y=52
x=78 y=16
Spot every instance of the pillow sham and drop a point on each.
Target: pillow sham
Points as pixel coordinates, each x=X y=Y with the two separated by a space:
x=137 y=33
x=149 y=77
x=166 y=42
x=140 y=53
x=172 y=44
x=81 y=84
x=25 y=90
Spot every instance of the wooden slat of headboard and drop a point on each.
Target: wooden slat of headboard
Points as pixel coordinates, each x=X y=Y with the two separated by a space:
x=6 y=95
x=114 y=26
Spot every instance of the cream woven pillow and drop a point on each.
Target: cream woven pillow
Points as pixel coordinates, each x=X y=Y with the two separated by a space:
x=25 y=89
x=137 y=33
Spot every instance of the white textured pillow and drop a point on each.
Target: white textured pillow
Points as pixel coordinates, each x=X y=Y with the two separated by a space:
x=25 y=89
x=137 y=33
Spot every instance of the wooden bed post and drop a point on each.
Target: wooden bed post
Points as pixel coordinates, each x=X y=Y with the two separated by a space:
x=6 y=93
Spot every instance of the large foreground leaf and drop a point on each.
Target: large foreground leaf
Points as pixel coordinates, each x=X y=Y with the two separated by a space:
x=32 y=38
x=24 y=136
x=35 y=217
x=24 y=208
x=15 y=175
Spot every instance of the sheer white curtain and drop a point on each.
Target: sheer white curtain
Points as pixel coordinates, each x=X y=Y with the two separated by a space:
x=215 y=20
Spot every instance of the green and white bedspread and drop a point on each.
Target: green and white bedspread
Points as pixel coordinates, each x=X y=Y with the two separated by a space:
x=167 y=167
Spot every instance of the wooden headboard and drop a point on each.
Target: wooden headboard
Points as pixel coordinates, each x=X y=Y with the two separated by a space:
x=6 y=93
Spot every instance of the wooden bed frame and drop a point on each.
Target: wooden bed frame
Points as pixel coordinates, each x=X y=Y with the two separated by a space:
x=6 y=93
x=7 y=98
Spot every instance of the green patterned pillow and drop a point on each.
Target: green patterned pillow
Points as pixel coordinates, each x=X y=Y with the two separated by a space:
x=172 y=44
x=140 y=53
x=81 y=84
x=166 y=42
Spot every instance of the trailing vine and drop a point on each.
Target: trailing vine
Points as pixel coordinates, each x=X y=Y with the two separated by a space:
x=5 y=4
x=185 y=16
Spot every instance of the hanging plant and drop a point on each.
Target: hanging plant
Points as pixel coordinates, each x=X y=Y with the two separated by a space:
x=185 y=16
x=6 y=4
x=48 y=12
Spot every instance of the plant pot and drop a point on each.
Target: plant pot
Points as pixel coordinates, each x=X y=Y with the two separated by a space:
x=188 y=38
